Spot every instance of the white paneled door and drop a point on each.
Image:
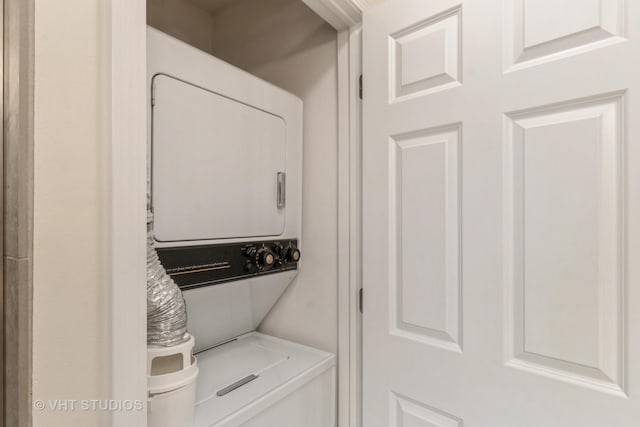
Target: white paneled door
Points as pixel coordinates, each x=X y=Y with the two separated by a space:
x=502 y=213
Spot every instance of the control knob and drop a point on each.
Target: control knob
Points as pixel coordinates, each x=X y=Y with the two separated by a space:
x=292 y=254
x=265 y=257
x=250 y=266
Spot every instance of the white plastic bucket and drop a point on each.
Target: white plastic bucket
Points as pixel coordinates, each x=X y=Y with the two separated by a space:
x=173 y=408
x=171 y=379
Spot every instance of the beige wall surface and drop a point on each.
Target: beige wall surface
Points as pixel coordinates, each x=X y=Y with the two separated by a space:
x=182 y=19
x=70 y=260
x=307 y=312
x=285 y=43
x=272 y=31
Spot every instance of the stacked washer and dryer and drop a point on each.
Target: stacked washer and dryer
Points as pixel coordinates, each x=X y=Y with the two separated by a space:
x=226 y=193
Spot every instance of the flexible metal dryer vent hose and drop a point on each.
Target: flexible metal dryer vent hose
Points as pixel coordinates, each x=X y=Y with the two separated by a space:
x=166 y=310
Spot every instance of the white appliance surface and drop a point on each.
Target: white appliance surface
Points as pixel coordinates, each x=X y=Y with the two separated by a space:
x=218 y=138
x=227 y=310
x=225 y=153
x=284 y=369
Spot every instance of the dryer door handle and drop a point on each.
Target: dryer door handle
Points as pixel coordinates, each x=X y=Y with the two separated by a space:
x=281 y=180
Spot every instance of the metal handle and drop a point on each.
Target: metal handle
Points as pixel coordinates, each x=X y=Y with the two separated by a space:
x=281 y=180
x=228 y=389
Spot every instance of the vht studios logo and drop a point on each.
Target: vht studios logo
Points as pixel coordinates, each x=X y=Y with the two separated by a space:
x=71 y=405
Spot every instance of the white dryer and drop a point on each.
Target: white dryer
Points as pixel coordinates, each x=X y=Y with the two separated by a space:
x=226 y=190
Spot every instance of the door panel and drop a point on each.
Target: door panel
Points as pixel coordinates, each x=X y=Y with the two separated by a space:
x=425 y=195
x=563 y=234
x=501 y=213
x=426 y=57
x=542 y=31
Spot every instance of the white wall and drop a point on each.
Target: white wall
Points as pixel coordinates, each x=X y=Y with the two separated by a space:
x=70 y=261
x=285 y=43
x=307 y=312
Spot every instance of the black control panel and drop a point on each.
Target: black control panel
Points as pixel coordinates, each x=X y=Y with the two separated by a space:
x=196 y=266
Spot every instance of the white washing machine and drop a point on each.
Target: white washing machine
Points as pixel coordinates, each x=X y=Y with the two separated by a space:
x=226 y=191
x=262 y=381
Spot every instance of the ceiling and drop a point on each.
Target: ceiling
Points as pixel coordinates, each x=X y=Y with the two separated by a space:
x=212 y=5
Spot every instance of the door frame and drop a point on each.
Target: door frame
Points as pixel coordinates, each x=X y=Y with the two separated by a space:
x=17 y=223
x=349 y=357
x=127 y=111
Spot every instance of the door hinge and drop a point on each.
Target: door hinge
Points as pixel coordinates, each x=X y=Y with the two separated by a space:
x=360 y=300
x=360 y=90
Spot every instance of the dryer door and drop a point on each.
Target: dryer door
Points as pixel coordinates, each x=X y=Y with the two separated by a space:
x=217 y=165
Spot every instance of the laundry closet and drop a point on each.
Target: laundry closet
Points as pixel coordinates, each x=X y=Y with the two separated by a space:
x=483 y=192
x=243 y=169
x=287 y=44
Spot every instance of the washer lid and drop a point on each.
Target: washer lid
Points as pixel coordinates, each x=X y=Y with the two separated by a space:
x=240 y=378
